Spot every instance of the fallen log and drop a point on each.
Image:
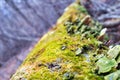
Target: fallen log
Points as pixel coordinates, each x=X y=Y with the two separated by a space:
x=75 y=49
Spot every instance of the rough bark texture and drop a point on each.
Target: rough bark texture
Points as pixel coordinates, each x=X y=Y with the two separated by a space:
x=22 y=23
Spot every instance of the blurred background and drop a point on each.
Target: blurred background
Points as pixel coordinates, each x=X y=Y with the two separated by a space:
x=23 y=22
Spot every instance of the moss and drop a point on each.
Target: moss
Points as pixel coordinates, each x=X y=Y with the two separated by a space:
x=54 y=56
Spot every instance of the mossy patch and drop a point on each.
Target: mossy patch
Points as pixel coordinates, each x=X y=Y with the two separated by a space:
x=66 y=52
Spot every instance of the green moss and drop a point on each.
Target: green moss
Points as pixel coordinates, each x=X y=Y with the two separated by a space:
x=54 y=57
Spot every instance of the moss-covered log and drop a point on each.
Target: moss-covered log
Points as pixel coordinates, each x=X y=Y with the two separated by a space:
x=72 y=50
